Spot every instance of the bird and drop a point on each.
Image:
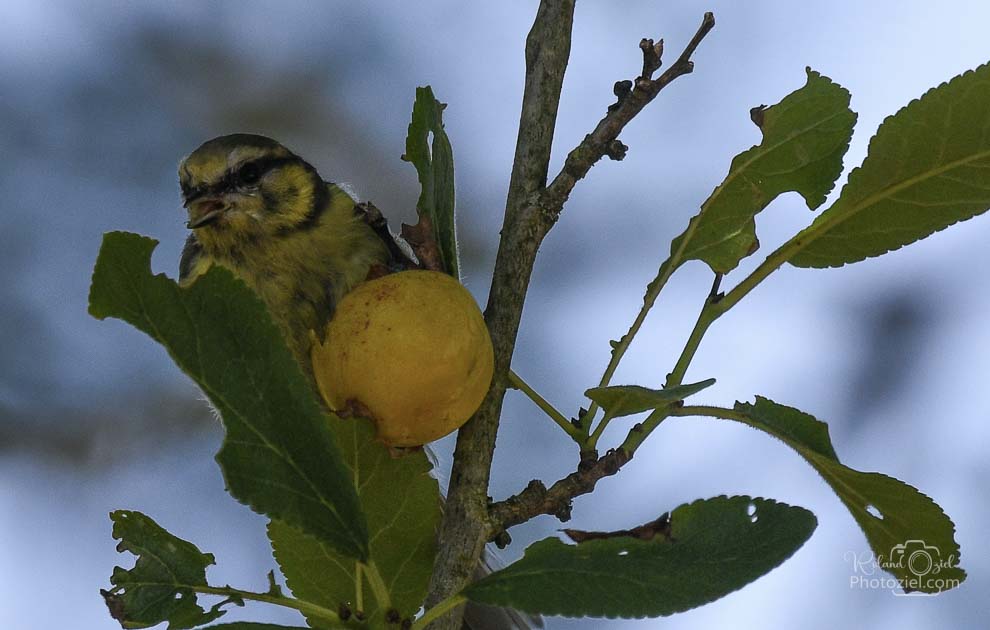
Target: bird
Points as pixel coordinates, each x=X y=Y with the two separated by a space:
x=301 y=243
x=267 y=215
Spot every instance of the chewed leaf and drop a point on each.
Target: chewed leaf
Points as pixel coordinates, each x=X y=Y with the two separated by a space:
x=434 y=238
x=625 y=400
x=927 y=167
x=701 y=552
x=279 y=454
x=160 y=586
x=805 y=137
x=891 y=513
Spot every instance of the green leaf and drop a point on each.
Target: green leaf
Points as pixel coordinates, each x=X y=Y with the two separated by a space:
x=805 y=137
x=890 y=512
x=434 y=162
x=402 y=503
x=279 y=455
x=251 y=625
x=625 y=400
x=927 y=168
x=161 y=585
x=713 y=547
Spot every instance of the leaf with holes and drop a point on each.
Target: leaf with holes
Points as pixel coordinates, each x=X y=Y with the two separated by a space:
x=161 y=586
x=711 y=548
x=805 y=137
x=279 y=455
x=927 y=168
x=402 y=503
x=891 y=513
x=435 y=235
x=625 y=400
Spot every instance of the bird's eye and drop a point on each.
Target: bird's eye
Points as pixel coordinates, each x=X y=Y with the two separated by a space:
x=249 y=174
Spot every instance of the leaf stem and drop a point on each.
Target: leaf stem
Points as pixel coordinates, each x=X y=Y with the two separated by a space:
x=773 y=262
x=710 y=412
x=517 y=382
x=359 y=585
x=377 y=585
x=705 y=318
x=439 y=610
x=717 y=305
x=302 y=606
x=653 y=289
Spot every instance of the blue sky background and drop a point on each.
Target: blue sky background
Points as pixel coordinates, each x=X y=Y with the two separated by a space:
x=99 y=101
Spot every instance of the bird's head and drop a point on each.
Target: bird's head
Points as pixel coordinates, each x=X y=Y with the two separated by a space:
x=245 y=186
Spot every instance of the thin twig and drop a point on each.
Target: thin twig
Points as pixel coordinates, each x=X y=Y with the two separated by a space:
x=638 y=434
x=517 y=382
x=720 y=303
x=596 y=144
x=592 y=441
x=537 y=499
x=709 y=313
x=670 y=265
x=652 y=57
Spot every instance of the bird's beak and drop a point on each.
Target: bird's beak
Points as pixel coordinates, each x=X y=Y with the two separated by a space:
x=204 y=211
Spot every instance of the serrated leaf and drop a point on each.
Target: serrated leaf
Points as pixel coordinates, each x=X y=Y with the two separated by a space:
x=402 y=503
x=889 y=511
x=625 y=400
x=805 y=137
x=434 y=162
x=927 y=167
x=279 y=455
x=715 y=546
x=161 y=585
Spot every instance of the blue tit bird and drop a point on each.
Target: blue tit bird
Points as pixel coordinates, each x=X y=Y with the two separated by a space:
x=264 y=213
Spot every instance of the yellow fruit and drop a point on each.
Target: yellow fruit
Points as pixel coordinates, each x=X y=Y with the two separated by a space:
x=409 y=350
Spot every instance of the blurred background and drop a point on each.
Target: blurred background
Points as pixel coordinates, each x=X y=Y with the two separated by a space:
x=99 y=101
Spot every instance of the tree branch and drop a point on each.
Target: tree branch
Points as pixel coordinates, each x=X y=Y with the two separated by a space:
x=537 y=499
x=531 y=210
x=464 y=528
